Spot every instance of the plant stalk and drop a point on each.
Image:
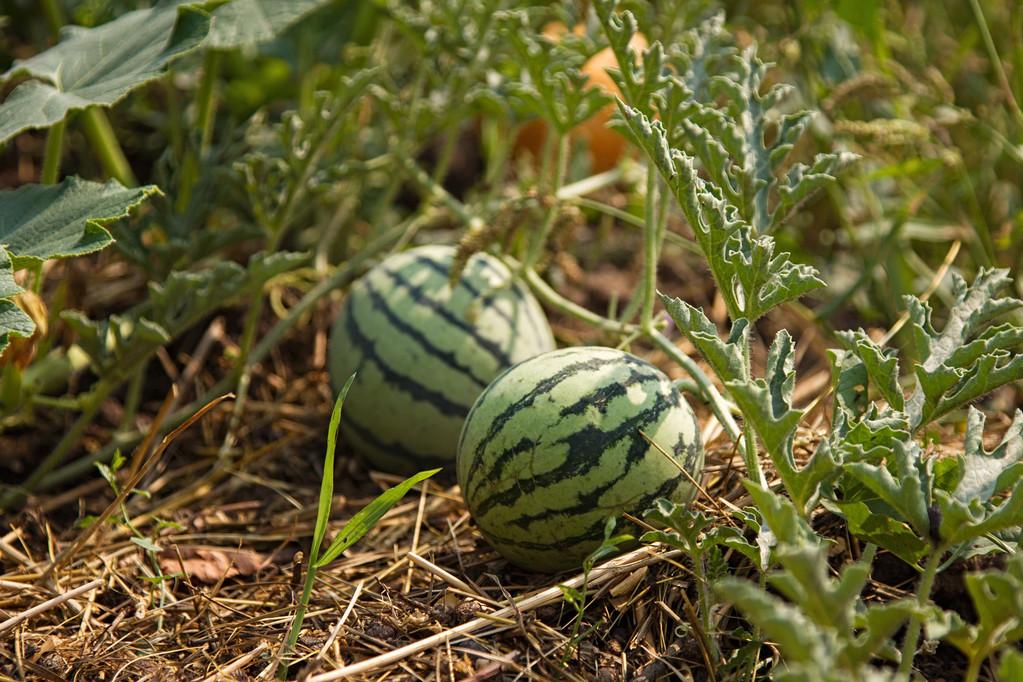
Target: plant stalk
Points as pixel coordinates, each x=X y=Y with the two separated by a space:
x=300 y=610
x=540 y=237
x=651 y=249
x=51 y=157
x=108 y=149
x=206 y=100
x=923 y=595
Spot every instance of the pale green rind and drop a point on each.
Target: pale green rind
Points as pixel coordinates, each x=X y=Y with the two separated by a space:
x=416 y=382
x=541 y=476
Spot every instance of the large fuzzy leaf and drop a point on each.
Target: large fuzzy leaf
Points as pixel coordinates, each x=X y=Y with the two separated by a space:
x=99 y=66
x=250 y=22
x=39 y=222
x=8 y=287
x=13 y=322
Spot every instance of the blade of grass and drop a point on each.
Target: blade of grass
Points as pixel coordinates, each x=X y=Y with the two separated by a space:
x=353 y=531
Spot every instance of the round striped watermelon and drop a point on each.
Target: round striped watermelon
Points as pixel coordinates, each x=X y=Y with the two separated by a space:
x=424 y=350
x=555 y=446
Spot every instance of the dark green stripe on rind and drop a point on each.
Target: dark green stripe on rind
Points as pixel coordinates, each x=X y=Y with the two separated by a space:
x=542 y=388
x=392 y=449
x=416 y=337
x=420 y=298
x=424 y=350
x=555 y=446
x=598 y=399
x=407 y=384
x=587 y=448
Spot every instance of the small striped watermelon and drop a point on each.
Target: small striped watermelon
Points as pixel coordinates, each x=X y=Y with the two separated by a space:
x=425 y=350
x=555 y=446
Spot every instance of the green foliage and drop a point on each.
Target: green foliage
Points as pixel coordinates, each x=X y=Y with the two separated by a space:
x=554 y=89
x=242 y=23
x=353 y=531
x=977 y=494
x=39 y=222
x=99 y=66
x=824 y=629
x=117 y=346
x=997 y=597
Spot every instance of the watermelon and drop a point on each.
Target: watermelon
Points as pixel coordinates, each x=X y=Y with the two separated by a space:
x=424 y=350
x=555 y=446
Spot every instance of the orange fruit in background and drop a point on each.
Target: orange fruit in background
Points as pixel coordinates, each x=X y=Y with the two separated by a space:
x=605 y=145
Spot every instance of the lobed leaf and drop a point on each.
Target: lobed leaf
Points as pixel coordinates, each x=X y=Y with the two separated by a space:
x=960 y=364
x=767 y=404
x=99 y=66
x=241 y=23
x=39 y=222
x=8 y=287
x=725 y=357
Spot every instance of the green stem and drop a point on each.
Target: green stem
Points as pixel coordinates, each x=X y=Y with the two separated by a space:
x=54 y=16
x=541 y=236
x=300 y=610
x=996 y=61
x=16 y=497
x=108 y=149
x=553 y=299
x=650 y=251
x=51 y=158
x=206 y=101
x=923 y=595
x=717 y=403
x=703 y=594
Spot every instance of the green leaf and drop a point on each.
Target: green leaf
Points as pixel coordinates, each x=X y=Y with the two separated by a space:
x=1011 y=665
x=997 y=597
x=982 y=474
x=963 y=522
x=325 y=501
x=13 y=322
x=367 y=517
x=870 y=524
x=38 y=222
x=99 y=66
x=119 y=344
x=638 y=79
x=962 y=363
x=882 y=366
x=725 y=357
x=242 y=23
x=824 y=631
x=908 y=491
x=767 y=280
x=767 y=405
x=783 y=623
x=146 y=544
x=751 y=279
x=552 y=86
x=8 y=287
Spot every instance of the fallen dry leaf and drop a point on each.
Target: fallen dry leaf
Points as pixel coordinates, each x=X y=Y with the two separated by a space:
x=211 y=564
